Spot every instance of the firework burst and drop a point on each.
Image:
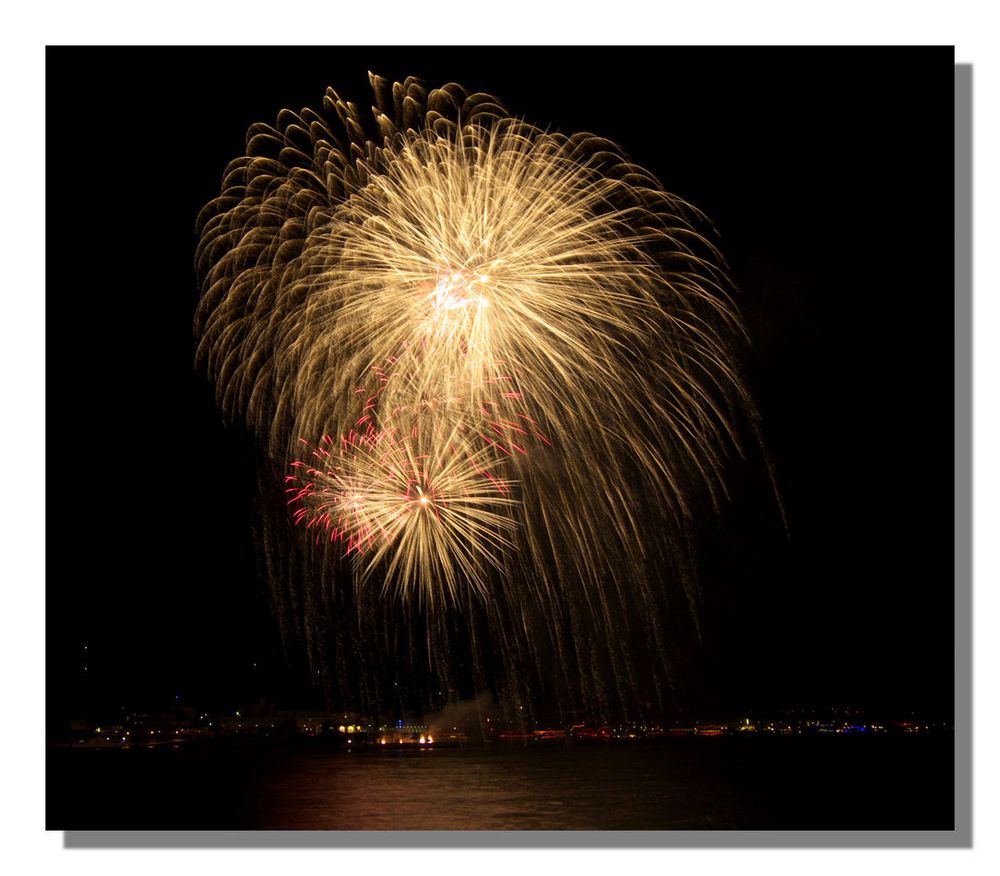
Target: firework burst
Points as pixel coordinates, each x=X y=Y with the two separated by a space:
x=507 y=353
x=421 y=508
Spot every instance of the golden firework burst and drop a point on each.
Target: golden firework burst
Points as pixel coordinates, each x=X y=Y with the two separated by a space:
x=534 y=290
x=495 y=365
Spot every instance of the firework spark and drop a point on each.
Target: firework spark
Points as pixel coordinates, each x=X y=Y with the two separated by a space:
x=507 y=353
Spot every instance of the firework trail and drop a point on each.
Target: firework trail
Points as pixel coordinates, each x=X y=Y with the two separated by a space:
x=493 y=366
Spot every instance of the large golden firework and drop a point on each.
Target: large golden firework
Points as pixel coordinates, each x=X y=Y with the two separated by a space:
x=526 y=319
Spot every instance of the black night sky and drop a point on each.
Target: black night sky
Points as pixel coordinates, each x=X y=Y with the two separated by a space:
x=828 y=173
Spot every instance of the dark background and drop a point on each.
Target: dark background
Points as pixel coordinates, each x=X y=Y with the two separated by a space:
x=828 y=174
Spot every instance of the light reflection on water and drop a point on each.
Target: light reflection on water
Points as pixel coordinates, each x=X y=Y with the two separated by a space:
x=814 y=783
x=451 y=789
x=709 y=784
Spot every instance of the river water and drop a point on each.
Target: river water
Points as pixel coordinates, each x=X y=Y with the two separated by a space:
x=838 y=783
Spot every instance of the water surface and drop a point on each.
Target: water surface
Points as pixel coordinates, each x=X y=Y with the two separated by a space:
x=887 y=783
